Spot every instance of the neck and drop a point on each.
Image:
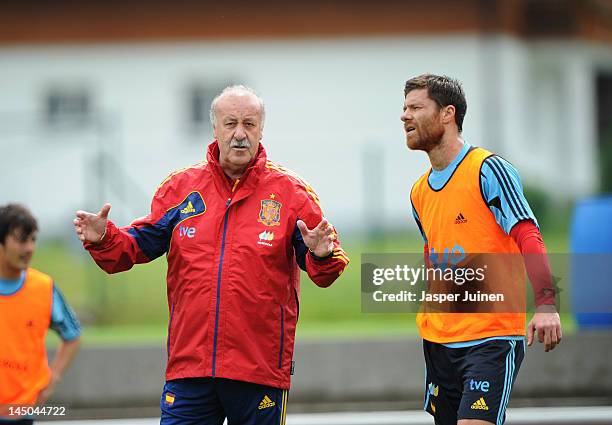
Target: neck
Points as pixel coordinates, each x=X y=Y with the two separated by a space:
x=232 y=171
x=9 y=273
x=444 y=153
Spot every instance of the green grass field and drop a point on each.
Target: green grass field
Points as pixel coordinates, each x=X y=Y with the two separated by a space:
x=131 y=307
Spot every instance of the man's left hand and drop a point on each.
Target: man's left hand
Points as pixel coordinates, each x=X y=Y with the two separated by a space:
x=319 y=240
x=546 y=323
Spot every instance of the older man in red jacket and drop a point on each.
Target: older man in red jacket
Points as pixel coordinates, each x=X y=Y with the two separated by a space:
x=236 y=229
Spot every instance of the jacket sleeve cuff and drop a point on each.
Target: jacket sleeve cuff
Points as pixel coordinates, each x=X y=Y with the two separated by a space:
x=109 y=233
x=317 y=258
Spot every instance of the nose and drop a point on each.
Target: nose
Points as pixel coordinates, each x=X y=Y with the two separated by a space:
x=240 y=134
x=405 y=116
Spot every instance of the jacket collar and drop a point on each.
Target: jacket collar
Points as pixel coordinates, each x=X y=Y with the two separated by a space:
x=248 y=181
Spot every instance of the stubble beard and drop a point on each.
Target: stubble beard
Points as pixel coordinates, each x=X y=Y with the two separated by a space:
x=428 y=138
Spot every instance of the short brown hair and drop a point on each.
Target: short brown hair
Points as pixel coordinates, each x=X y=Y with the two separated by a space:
x=16 y=217
x=444 y=91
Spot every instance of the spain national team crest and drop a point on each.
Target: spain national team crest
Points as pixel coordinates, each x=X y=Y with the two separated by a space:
x=269 y=214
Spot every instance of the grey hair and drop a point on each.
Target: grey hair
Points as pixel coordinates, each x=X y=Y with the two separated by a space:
x=237 y=89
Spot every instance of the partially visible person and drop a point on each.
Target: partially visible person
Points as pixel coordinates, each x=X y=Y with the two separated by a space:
x=30 y=304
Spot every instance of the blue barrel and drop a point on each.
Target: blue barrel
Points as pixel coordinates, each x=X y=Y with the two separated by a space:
x=591 y=247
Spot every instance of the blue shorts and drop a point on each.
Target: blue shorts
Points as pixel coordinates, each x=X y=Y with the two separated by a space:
x=208 y=401
x=472 y=382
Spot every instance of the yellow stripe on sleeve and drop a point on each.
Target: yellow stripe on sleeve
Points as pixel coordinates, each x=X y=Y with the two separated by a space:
x=273 y=166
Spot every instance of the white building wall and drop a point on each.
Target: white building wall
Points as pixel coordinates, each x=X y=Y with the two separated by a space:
x=328 y=102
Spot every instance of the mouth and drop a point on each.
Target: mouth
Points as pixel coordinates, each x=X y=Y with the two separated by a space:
x=409 y=129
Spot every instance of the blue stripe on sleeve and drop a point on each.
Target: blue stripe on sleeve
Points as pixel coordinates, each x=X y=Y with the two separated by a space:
x=504 y=187
x=503 y=192
x=511 y=185
x=154 y=239
x=300 y=248
x=63 y=319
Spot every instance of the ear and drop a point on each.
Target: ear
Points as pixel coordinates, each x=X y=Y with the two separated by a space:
x=447 y=114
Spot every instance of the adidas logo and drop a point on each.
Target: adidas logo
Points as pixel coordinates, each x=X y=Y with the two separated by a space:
x=460 y=219
x=266 y=402
x=188 y=209
x=480 y=404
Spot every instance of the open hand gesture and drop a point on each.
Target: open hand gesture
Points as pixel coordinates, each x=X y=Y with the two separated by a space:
x=91 y=227
x=319 y=240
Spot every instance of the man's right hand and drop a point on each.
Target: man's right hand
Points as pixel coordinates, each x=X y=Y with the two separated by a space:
x=90 y=227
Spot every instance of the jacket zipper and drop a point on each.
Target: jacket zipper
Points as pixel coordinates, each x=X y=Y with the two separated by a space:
x=214 y=357
x=282 y=333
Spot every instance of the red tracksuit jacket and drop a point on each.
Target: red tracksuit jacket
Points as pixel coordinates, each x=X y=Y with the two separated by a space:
x=233 y=256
